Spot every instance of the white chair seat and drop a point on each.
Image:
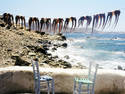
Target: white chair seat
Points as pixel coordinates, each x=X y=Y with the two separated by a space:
x=45 y=78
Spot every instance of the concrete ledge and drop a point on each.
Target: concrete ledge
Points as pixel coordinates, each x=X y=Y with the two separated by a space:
x=20 y=79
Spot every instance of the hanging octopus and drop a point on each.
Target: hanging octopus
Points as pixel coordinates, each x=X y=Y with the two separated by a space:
x=55 y=24
x=21 y=19
x=115 y=13
x=66 y=23
x=82 y=19
x=95 y=21
x=102 y=20
x=60 y=24
x=48 y=23
x=42 y=23
x=8 y=19
x=34 y=21
x=17 y=20
x=31 y=22
x=73 y=19
x=89 y=19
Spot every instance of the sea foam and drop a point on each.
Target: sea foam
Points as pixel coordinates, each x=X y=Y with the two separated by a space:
x=105 y=51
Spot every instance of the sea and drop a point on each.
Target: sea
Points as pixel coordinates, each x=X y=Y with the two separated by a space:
x=106 y=49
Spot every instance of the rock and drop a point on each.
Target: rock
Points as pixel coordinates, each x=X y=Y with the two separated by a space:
x=2 y=25
x=8 y=27
x=20 y=62
x=44 y=41
x=9 y=49
x=63 y=38
x=65 y=64
x=53 y=49
x=55 y=57
x=49 y=54
x=37 y=49
x=59 y=34
x=67 y=57
x=119 y=67
x=45 y=47
x=20 y=33
x=41 y=50
x=32 y=54
x=45 y=61
x=56 y=45
x=64 y=45
x=41 y=33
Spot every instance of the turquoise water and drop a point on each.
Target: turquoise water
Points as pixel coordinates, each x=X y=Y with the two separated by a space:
x=107 y=49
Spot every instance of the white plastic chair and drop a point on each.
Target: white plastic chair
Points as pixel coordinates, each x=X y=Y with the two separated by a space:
x=41 y=82
x=86 y=85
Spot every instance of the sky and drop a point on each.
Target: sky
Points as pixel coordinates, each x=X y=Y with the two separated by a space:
x=64 y=8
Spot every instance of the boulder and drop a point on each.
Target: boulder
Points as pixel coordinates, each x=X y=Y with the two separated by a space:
x=37 y=48
x=120 y=68
x=19 y=61
x=62 y=38
x=41 y=33
x=67 y=57
x=54 y=49
x=64 y=45
x=65 y=64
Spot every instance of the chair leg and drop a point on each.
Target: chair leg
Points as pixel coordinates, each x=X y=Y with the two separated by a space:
x=88 y=89
x=52 y=86
x=79 y=90
x=93 y=88
x=39 y=88
x=74 y=88
x=36 y=87
x=48 y=87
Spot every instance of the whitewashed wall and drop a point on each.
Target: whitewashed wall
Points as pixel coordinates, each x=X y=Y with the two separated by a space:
x=21 y=79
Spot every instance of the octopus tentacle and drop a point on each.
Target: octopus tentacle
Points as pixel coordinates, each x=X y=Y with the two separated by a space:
x=55 y=24
x=66 y=23
x=103 y=17
x=89 y=19
x=94 y=22
x=60 y=24
x=75 y=23
x=108 y=19
x=81 y=20
x=43 y=23
x=30 y=22
x=72 y=19
x=17 y=18
x=48 y=23
x=117 y=14
x=100 y=20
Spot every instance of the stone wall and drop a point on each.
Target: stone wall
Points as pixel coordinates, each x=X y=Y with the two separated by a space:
x=20 y=79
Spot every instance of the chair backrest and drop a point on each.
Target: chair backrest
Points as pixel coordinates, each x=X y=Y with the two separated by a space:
x=36 y=75
x=35 y=66
x=92 y=71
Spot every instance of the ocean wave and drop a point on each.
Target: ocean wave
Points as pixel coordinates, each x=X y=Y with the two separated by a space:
x=108 y=52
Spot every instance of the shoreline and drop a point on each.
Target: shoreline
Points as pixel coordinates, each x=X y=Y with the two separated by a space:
x=19 y=46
